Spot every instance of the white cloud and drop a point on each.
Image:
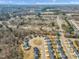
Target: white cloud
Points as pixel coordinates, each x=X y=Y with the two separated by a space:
x=74 y=2
x=54 y=2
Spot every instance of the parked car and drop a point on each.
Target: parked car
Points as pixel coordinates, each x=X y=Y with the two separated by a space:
x=36 y=53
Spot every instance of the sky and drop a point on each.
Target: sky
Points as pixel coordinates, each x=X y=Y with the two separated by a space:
x=39 y=2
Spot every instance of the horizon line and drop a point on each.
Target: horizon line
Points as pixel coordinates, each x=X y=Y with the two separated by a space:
x=40 y=4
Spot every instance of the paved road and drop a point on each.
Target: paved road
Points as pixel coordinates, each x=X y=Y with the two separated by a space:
x=59 y=21
x=66 y=47
x=43 y=51
x=63 y=39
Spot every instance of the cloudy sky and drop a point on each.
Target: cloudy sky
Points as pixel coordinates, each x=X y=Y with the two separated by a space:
x=39 y=1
